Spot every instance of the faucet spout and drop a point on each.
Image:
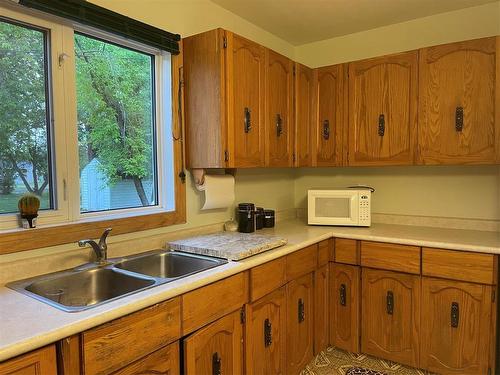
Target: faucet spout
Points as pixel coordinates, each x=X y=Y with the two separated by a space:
x=100 y=249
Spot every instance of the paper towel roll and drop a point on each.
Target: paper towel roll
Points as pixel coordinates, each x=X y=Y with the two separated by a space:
x=219 y=191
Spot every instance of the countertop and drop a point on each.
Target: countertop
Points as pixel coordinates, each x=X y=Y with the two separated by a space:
x=27 y=324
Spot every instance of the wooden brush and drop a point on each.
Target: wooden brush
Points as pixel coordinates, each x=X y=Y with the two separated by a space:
x=28 y=207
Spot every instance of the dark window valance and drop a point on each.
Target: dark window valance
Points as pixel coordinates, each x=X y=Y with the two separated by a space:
x=95 y=16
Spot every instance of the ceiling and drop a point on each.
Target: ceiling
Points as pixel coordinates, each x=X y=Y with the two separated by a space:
x=304 y=21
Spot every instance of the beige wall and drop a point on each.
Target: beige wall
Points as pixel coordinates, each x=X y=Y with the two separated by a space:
x=469 y=23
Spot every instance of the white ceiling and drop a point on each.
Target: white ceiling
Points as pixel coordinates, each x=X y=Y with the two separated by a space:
x=304 y=21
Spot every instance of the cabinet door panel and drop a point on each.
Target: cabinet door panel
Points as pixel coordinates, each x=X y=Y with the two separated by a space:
x=390 y=315
x=328 y=115
x=458 y=77
x=382 y=110
x=279 y=110
x=456 y=329
x=344 y=306
x=164 y=361
x=246 y=95
x=303 y=115
x=265 y=335
x=218 y=346
x=300 y=299
x=38 y=362
x=321 y=309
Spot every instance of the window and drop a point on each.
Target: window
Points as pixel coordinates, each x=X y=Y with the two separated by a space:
x=85 y=124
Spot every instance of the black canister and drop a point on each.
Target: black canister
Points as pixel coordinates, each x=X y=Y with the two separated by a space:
x=246 y=217
x=268 y=218
x=259 y=218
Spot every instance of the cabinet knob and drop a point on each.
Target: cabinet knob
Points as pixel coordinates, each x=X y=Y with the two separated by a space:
x=268 y=335
x=455 y=314
x=216 y=364
x=326 y=130
x=390 y=302
x=381 y=125
x=342 y=291
x=459 y=119
x=279 y=125
x=301 y=311
x=248 y=120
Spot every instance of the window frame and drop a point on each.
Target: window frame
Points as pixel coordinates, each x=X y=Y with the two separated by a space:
x=68 y=223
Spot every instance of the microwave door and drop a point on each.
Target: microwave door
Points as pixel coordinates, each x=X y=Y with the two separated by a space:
x=336 y=209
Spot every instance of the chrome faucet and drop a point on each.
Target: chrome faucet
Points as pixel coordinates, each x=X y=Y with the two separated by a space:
x=100 y=249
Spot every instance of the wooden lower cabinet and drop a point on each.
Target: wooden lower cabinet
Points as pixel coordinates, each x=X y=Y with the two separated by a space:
x=300 y=323
x=391 y=316
x=344 y=306
x=321 y=309
x=216 y=348
x=456 y=326
x=164 y=361
x=39 y=362
x=265 y=345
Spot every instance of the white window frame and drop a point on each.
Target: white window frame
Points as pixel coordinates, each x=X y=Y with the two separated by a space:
x=62 y=76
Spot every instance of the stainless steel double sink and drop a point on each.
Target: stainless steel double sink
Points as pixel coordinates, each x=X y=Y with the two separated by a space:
x=91 y=285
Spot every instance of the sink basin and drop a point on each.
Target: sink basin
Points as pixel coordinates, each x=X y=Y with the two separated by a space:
x=169 y=265
x=80 y=290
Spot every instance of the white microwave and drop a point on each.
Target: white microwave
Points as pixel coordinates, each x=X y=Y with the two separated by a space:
x=349 y=207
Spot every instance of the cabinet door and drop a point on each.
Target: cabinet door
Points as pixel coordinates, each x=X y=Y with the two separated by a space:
x=456 y=328
x=303 y=115
x=300 y=326
x=279 y=110
x=328 y=115
x=164 y=361
x=38 y=362
x=344 y=306
x=265 y=335
x=457 y=103
x=245 y=82
x=321 y=309
x=215 y=349
x=383 y=110
x=390 y=315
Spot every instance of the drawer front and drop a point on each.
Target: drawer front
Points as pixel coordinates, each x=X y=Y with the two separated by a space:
x=38 y=362
x=346 y=251
x=301 y=262
x=390 y=257
x=164 y=361
x=267 y=277
x=460 y=265
x=206 y=304
x=325 y=252
x=116 y=344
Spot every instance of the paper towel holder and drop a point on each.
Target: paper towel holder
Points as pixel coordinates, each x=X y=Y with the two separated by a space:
x=199 y=174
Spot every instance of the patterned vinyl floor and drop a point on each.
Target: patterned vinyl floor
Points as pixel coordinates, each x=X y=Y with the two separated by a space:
x=334 y=361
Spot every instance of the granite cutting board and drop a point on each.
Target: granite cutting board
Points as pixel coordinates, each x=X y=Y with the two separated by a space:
x=229 y=245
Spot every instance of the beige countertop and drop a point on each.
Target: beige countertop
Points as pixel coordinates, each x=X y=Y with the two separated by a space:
x=27 y=324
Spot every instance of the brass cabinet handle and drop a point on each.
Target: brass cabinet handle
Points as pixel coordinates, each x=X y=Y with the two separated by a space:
x=248 y=120
x=455 y=314
x=343 y=299
x=390 y=302
x=459 y=119
x=268 y=335
x=326 y=130
x=381 y=125
x=279 y=125
x=216 y=364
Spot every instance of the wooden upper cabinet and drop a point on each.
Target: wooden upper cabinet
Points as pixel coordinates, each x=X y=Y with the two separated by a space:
x=279 y=110
x=245 y=82
x=328 y=115
x=303 y=115
x=38 y=362
x=457 y=119
x=216 y=348
x=456 y=330
x=383 y=110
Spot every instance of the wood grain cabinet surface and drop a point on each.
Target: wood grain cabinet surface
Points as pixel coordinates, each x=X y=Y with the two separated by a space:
x=328 y=115
x=383 y=110
x=304 y=91
x=458 y=118
x=345 y=298
x=300 y=323
x=164 y=361
x=456 y=330
x=216 y=348
x=265 y=335
x=391 y=316
x=280 y=125
x=38 y=362
x=321 y=309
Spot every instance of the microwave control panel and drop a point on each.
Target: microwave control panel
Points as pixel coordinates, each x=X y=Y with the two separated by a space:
x=364 y=209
